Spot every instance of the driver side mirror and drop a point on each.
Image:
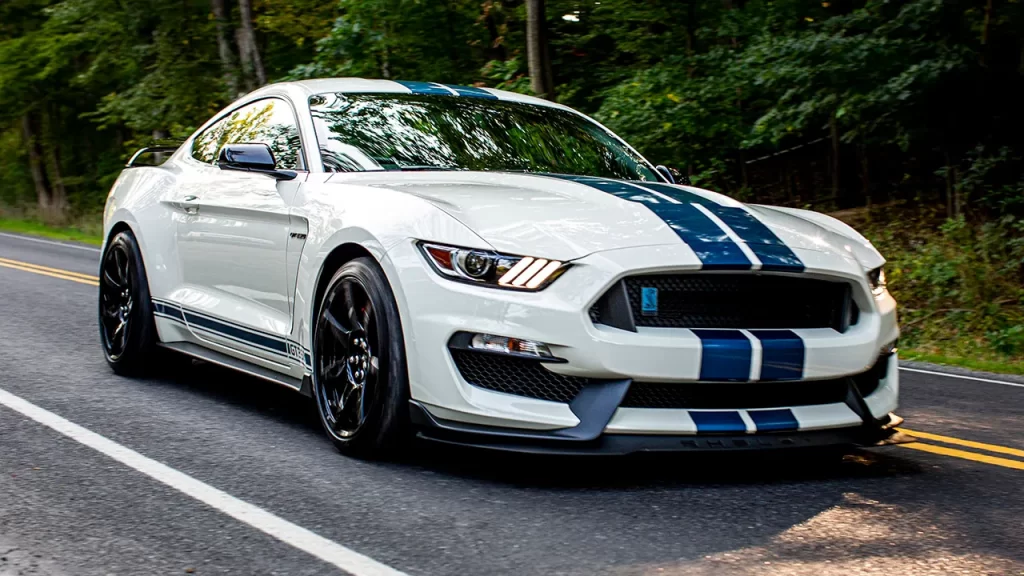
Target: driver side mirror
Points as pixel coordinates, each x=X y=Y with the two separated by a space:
x=251 y=158
x=672 y=175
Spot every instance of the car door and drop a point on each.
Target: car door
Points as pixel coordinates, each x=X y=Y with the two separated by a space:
x=234 y=237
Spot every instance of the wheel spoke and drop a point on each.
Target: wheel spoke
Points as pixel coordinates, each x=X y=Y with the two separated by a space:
x=341 y=333
x=373 y=365
x=109 y=280
x=118 y=258
x=111 y=311
x=350 y=304
x=335 y=370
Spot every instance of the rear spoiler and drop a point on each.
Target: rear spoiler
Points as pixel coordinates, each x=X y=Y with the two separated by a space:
x=149 y=150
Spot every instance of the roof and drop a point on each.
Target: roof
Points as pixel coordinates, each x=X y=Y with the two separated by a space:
x=362 y=85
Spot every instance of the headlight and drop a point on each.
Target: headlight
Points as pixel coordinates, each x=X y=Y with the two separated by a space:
x=492 y=269
x=876 y=278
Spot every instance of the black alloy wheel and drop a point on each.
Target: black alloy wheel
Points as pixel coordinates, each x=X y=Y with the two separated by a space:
x=127 y=331
x=116 y=300
x=359 y=380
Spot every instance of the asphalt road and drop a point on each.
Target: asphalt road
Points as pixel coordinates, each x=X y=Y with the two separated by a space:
x=68 y=509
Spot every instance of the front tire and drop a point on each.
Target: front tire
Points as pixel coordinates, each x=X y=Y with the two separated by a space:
x=360 y=380
x=127 y=331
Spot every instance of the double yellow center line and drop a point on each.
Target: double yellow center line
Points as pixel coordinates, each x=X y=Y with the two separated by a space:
x=965 y=454
x=979 y=455
x=51 y=272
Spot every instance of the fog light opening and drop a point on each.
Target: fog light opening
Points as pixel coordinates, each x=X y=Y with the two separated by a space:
x=507 y=345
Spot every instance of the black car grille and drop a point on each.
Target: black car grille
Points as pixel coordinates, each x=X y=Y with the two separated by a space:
x=705 y=300
x=518 y=376
x=735 y=395
x=529 y=378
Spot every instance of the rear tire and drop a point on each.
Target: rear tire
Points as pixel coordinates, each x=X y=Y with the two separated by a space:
x=360 y=380
x=127 y=330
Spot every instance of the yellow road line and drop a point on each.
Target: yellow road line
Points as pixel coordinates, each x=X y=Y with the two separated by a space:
x=86 y=280
x=984 y=458
x=48 y=269
x=967 y=443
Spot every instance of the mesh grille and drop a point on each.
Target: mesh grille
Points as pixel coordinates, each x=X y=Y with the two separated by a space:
x=738 y=301
x=745 y=395
x=517 y=376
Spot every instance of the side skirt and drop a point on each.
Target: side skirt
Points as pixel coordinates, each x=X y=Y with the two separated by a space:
x=213 y=357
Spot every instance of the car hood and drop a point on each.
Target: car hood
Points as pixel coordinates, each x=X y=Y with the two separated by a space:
x=564 y=219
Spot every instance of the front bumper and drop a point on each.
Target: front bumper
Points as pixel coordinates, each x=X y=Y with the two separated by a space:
x=445 y=405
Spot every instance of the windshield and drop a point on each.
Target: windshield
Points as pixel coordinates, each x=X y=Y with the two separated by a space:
x=358 y=132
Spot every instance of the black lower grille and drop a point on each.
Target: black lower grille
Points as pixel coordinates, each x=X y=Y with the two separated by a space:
x=518 y=376
x=710 y=300
x=740 y=395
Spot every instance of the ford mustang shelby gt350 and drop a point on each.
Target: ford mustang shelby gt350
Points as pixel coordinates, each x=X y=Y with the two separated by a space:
x=476 y=266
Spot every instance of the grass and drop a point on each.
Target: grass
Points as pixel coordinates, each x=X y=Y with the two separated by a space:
x=84 y=232
x=996 y=366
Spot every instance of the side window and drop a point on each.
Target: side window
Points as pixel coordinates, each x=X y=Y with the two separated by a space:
x=269 y=122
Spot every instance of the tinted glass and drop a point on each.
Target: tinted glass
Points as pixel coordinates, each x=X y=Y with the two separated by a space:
x=269 y=122
x=413 y=132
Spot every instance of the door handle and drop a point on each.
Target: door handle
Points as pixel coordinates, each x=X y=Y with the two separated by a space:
x=189 y=208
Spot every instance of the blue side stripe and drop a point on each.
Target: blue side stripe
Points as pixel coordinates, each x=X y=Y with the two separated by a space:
x=238 y=333
x=471 y=91
x=172 y=311
x=425 y=88
x=782 y=354
x=718 y=421
x=725 y=355
x=773 y=420
x=712 y=245
x=770 y=249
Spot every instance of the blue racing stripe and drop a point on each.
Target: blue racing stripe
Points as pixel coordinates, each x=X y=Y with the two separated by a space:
x=769 y=248
x=782 y=354
x=471 y=91
x=725 y=355
x=425 y=88
x=237 y=333
x=718 y=421
x=710 y=243
x=167 y=310
x=772 y=420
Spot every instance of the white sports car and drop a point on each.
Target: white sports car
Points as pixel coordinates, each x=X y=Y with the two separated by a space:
x=481 y=267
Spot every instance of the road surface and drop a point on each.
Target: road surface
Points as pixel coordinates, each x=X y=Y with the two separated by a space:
x=202 y=471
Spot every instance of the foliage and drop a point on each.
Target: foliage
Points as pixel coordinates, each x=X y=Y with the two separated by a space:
x=829 y=104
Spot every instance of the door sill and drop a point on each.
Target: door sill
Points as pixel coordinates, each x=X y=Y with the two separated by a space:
x=220 y=359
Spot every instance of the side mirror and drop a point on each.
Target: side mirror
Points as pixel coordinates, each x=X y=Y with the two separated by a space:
x=251 y=158
x=672 y=175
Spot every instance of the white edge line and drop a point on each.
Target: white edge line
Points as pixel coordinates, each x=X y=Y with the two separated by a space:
x=754 y=260
x=756 y=355
x=55 y=243
x=948 y=375
x=296 y=536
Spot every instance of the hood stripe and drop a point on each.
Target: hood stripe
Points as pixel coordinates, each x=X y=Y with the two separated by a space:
x=709 y=242
x=770 y=249
x=431 y=88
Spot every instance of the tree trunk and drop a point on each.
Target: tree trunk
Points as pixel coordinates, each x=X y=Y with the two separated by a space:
x=35 y=161
x=227 y=57
x=57 y=209
x=247 y=43
x=834 y=130
x=949 y=187
x=865 y=177
x=497 y=46
x=539 y=59
x=985 y=27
